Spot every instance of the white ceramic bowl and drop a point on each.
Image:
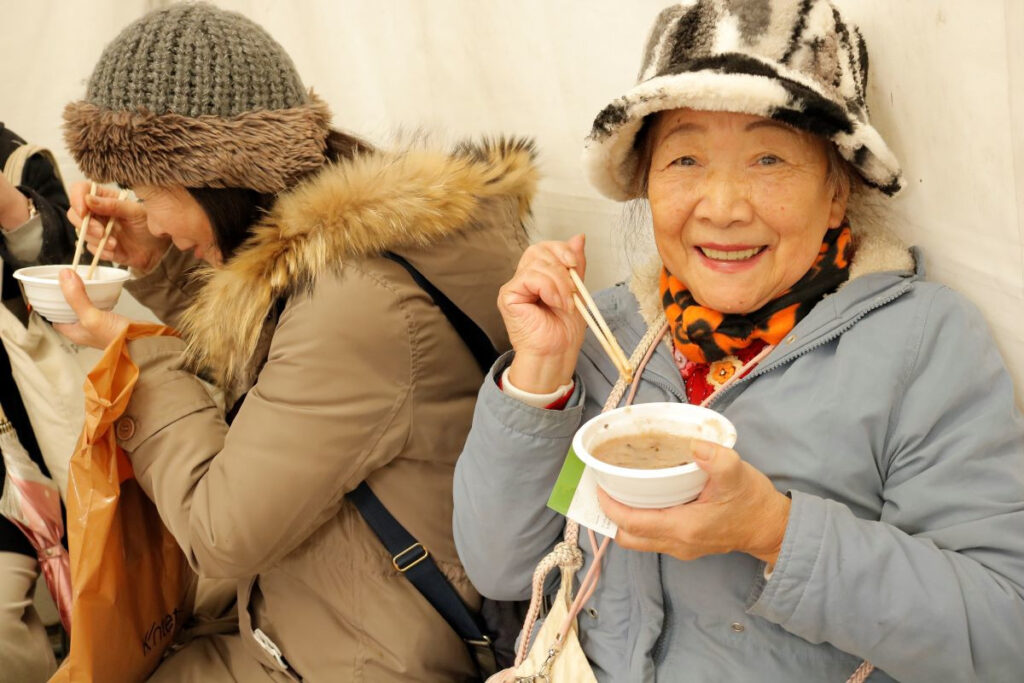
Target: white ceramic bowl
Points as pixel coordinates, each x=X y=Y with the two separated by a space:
x=652 y=488
x=42 y=289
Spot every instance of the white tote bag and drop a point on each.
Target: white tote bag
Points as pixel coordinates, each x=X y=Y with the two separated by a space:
x=48 y=369
x=49 y=372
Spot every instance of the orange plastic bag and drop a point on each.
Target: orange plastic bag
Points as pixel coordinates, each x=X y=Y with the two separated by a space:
x=128 y=575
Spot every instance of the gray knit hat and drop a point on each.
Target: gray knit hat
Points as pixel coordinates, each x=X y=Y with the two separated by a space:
x=796 y=61
x=197 y=96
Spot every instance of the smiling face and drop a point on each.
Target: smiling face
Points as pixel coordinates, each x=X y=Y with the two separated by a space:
x=173 y=212
x=740 y=204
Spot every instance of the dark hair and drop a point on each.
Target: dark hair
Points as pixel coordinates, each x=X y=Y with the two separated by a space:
x=233 y=211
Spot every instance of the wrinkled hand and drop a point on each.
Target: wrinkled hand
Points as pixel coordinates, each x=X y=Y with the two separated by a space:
x=94 y=328
x=738 y=510
x=130 y=241
x=543 y=325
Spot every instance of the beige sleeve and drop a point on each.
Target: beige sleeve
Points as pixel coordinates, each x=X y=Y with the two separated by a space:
x=167 y=290
x=25 y=651
x=330 y=405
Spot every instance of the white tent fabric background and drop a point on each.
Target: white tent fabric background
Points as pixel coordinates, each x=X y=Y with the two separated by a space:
x=947 y=92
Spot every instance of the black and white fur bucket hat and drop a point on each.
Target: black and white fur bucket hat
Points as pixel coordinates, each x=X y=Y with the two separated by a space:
x=796 y=61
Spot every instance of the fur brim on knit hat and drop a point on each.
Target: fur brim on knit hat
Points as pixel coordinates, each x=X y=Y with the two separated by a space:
x=796 y=61
x=263 y=150
x=197 y=96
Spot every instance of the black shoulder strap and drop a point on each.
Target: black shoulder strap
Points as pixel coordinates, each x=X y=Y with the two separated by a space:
x=413 y=560
x=474 y=337
x=408 y=555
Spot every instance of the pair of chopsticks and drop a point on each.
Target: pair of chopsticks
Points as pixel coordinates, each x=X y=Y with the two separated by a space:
x=599 y=327
x=80 y=245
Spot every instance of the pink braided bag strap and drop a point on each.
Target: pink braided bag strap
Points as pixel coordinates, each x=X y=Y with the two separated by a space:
x=567 y=553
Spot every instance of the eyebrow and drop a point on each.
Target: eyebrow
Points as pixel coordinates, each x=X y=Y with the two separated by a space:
x=683 y=128
x=689 y=127
x=770 y=123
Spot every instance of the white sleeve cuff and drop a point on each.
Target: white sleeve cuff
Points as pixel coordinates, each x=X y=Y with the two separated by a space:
x=535 y=400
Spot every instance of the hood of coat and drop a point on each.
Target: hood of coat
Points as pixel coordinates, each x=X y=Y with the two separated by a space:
x=406 y=201
x=877 y=249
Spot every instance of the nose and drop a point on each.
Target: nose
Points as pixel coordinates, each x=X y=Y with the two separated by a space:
x=724 y=200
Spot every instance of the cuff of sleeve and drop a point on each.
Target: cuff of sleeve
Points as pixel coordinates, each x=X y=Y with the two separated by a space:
x=555 y=400
x=163 y=393
x=777 y=593
x=26 y=241
x=526 y=419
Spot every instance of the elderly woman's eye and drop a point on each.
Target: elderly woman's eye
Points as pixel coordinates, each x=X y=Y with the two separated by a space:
x=768 y=160
x=684 y=161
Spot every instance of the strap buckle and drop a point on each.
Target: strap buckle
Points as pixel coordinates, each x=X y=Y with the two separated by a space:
x=399 y=560
x=270 y=647
x=482 y=651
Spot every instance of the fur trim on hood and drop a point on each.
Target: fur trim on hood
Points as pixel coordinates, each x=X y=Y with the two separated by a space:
x=376 y=202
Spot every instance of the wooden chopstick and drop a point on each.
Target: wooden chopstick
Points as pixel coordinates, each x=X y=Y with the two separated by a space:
x=582 y=289
x=599 y=327
x=596 y=329
x=80 y=245
x=121 y=196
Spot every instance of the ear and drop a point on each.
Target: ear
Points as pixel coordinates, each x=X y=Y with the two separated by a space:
x=837 y=208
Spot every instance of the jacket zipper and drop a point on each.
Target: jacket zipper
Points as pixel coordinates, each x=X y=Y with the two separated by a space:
x=659 y=381
x=817 y=343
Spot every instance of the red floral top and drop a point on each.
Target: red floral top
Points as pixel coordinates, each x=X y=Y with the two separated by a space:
x=702 y=379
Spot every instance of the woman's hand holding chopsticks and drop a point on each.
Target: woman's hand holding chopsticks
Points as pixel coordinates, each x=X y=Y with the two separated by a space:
x=130 y=242
x=543 y=324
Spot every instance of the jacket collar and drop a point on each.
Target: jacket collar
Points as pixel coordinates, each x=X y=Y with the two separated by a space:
x=382 y=201
x=877 y=250
x=882 y=269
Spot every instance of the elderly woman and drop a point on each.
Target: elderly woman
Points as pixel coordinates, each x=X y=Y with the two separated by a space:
x=328 y=262
x=874 y=504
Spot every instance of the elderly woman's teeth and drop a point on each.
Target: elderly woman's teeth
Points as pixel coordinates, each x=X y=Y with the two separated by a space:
x=730 y=255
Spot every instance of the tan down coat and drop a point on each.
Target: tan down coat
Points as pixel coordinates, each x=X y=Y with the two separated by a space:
x=359 y=378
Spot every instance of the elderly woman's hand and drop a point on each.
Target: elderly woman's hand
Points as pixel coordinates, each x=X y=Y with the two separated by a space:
x=738 y=510
x=94 y=328
x=130 y=241
x=543 y=325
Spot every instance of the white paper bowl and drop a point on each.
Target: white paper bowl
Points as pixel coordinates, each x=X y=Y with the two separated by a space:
x=42 y=289
x=652 y=488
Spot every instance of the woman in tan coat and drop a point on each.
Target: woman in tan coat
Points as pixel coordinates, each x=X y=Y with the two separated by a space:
x=348 y=370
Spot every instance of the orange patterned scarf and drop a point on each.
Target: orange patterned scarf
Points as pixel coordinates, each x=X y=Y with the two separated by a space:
x=703 y=335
